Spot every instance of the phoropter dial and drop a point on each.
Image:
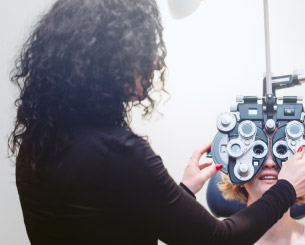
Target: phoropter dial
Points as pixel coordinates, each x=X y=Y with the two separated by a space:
x=225 y=122
x=247 y=129
x=294 y=130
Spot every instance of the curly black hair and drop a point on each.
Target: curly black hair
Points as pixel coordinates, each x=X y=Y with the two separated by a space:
x=79 y=67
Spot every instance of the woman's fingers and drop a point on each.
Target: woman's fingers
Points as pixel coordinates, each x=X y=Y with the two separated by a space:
x=298 y=155
x=294 y=171
x=205 y=148
x=204 y=165
x=194 y=160
x=192 y=177
x=210 y=171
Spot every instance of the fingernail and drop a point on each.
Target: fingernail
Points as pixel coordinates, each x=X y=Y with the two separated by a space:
x=300 y=149
x=219 y=166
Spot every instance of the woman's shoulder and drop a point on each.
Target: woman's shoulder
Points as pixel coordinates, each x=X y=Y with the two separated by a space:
x=113 y=139
x=111 y=148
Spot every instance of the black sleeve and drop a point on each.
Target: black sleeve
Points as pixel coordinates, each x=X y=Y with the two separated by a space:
x=187 y=190
x=180 y=219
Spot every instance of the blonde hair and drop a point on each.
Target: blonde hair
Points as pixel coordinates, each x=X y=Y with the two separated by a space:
x=236 y=192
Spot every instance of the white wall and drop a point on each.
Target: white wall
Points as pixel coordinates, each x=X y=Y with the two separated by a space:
x=213 y=55
x=16 y=17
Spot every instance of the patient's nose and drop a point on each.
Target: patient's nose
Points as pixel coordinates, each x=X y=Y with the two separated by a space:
x=269 y=163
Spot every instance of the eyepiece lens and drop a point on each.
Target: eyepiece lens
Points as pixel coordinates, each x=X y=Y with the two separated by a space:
x=281 y=149
x=258 y=149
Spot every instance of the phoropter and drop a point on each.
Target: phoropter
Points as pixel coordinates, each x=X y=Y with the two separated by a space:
x=256 y=126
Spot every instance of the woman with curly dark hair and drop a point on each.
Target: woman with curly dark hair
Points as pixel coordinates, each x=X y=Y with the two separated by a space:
x=83 y=176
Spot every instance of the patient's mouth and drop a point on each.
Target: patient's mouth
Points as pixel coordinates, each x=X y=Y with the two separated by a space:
x=268 y=178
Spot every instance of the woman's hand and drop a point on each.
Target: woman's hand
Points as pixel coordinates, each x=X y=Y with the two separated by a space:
x=193 y=177
x=294 y=171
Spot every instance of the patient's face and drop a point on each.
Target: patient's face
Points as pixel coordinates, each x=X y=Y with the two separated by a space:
x=265 y=178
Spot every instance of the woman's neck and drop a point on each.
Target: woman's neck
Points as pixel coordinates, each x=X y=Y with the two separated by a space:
x=285 y=232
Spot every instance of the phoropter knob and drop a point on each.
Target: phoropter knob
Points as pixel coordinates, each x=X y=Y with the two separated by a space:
x=225 y=122
x=243 y=169
x=270 y=125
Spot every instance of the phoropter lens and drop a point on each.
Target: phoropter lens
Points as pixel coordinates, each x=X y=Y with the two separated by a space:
x=295 y=129
x=247 y=128
x=235 y=148
x=281 y=149
x=258 y=149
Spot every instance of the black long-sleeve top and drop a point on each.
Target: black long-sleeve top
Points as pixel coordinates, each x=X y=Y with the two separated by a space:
x=109 y=187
